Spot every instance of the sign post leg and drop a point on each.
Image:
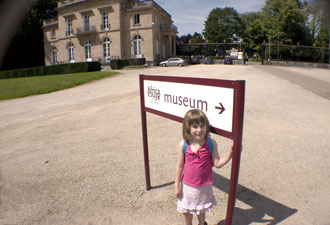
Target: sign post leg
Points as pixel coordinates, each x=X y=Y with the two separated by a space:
x=237 y=145
x=145 y=151
x=144 y=135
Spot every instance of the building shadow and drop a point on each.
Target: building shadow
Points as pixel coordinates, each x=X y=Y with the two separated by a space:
x=263 y=209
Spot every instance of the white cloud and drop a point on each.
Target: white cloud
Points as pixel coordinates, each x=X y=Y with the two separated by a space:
x=243 y=6
x=189 y=15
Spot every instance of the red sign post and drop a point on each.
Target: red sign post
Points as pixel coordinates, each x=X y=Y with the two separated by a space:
x=221 y=100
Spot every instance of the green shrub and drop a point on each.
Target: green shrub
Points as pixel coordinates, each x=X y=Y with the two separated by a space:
x=136 y=62
x=254 y=59
x=53 y=69
x=115 y=64
x=121 y=63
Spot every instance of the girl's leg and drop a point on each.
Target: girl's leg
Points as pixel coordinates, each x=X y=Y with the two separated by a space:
x=201 y=218
x=188 y=218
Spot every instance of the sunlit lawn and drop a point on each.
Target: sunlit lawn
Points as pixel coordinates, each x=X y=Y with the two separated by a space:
x=25 y=86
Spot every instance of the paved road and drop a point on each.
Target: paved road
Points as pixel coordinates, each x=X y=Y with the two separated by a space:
x=314 y=84
x=75 y=156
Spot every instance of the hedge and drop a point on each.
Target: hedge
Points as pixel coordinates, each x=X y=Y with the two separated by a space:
x=121 y=63
x=54 y=69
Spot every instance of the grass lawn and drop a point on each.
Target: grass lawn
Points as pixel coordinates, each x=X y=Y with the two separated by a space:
x=25 y=86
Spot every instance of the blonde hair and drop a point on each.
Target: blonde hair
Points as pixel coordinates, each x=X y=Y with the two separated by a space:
x=194 y=116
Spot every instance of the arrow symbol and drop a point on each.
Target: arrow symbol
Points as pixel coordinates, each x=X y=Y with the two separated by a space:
x=221 y=108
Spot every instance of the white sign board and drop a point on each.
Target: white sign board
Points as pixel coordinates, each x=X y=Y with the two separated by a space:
x=240 y=55
x=177 y=98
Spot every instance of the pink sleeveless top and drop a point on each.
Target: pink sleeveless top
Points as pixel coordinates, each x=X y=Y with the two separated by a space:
x=197 y=170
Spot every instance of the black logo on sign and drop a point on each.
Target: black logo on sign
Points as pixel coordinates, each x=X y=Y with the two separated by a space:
x=153 y=93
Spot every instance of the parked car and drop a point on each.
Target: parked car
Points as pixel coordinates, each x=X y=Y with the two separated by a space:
x=208 y=60
x=173 y=62
x=194 y=60
x=228 y=60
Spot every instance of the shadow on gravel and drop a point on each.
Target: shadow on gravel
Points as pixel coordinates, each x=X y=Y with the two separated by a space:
x=263 y=209
x=0 y=188
x=163 y=185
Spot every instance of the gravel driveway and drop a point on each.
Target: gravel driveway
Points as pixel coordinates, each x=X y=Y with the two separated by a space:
x=75 y=156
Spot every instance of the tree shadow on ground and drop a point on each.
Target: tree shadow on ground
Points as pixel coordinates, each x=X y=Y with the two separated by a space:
x=263 y=209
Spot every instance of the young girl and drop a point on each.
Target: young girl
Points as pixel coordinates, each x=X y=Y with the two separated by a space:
x=193 y=175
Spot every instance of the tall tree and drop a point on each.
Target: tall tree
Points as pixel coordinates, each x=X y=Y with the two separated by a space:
x=319 y=13
x=323 y=35
x=184 y=39
x=182 y=44
x=254 y=34
x=223 y=25
x=197 y=38
x=285 y=21
x=195 y=41
x=26 y=48
x=315 y=14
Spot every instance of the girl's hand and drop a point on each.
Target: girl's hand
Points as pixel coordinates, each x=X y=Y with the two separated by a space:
x=177 y=192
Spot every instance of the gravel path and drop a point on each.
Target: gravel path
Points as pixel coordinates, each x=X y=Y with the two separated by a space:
x=75 y=156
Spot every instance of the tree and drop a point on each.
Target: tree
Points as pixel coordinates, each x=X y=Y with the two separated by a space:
x=285 y=21
x=322 y=38
x=26 y=48
x=184 y=39
x=196 y=40
x=254 y=34
x=182 y=44
x=223 y=25
x=315 y=13
x=319 y=12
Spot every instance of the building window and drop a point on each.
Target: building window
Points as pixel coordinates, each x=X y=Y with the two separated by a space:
x=54 y=55
x=137 y=19
x=86 y=23
x=157 y=48
x=69 y=29
x=105 y=21
x=71 y=52
x=137 y=44
x=106 y=49
x=52 y=34
x=88 y=51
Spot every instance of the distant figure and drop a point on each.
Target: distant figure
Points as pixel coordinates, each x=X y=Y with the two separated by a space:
x=197 y=154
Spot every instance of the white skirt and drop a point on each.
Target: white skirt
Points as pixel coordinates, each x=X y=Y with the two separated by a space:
x=196 y=200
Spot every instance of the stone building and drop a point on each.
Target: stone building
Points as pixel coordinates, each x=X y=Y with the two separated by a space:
x=101 y=30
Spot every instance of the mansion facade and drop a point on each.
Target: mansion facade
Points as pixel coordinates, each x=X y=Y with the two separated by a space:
x=101 y=30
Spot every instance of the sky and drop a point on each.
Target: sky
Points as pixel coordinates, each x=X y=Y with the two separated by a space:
x=189 y=15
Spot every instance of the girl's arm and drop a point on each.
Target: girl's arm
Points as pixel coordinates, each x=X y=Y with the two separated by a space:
x=217 y=161
x=179 y=169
